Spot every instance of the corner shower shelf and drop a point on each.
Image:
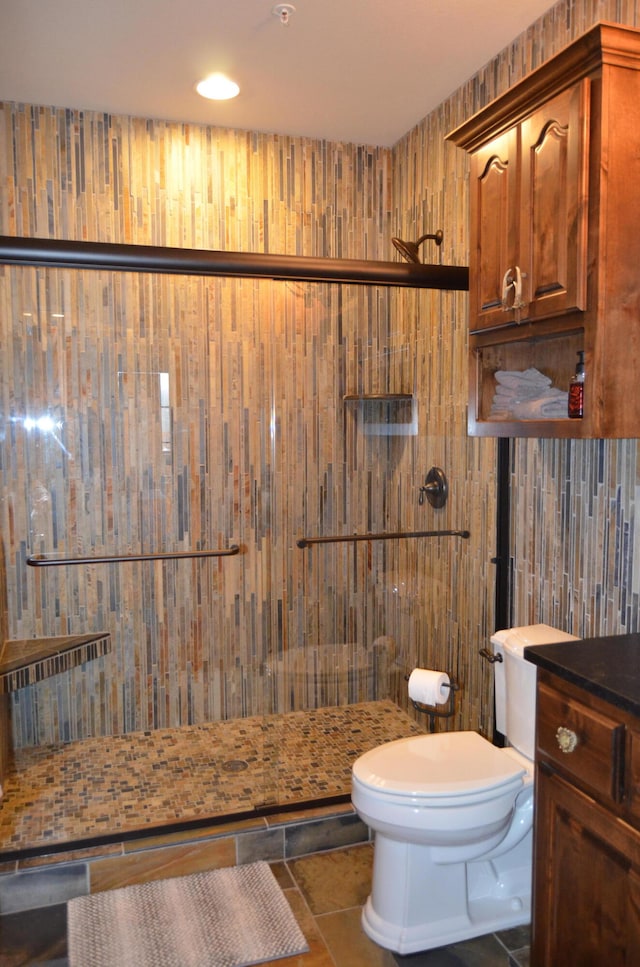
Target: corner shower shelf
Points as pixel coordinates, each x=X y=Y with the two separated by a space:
x=29 y=660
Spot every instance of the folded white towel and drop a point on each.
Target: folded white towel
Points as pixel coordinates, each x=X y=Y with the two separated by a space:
x=527 y=377
x=545 y=408
x=517 y=394
x=527 y=395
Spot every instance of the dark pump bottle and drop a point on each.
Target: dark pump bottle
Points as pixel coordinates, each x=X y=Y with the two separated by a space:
x=576 y=390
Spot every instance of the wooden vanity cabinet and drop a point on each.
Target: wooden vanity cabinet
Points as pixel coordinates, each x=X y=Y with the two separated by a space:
x=554 y=247
x=586 y=875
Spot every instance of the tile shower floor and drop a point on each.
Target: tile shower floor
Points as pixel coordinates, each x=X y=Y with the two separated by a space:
x=146 y=781
x=122 y=785
x=326 y=892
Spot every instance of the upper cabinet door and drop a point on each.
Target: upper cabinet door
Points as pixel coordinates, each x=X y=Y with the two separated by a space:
x=529 y=216
x=552 y=251
x=494 y=230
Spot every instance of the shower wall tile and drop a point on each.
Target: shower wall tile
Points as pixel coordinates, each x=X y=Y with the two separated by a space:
x=188 y=414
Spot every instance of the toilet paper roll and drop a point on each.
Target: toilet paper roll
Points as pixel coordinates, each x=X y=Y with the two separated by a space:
x=429 y=687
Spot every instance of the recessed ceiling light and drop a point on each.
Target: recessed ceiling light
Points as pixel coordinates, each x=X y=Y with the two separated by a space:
x=217 y=87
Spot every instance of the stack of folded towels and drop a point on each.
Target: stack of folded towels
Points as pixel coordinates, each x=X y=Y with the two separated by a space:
x=527 y=395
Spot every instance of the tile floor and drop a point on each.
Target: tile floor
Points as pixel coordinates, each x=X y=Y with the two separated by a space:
x=326 y=892
x=145 y=781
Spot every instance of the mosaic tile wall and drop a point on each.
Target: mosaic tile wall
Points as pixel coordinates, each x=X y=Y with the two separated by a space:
x=245 y=436
x=187 y=413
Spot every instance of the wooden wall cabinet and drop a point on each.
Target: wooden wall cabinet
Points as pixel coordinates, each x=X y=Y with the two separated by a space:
x=529 y=209
x=554 y=246
x=586 y=879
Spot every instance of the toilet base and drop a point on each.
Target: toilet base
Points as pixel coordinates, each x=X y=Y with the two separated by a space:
x=411 y=940
x=431 y=904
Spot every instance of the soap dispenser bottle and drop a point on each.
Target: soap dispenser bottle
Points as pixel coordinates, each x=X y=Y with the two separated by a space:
x=576 y=390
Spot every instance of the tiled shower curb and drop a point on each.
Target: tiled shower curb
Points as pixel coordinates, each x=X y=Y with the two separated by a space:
x=53 y=878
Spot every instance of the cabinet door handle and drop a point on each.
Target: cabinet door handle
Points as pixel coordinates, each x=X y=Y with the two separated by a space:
x=507 y=283
x=517 y=289
x=512 y=279
x=567 y=739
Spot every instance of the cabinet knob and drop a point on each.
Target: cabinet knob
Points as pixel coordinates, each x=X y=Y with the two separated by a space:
x=567 y=739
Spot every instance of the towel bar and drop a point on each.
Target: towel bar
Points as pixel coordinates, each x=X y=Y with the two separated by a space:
x=41 y=560
x=347 y=538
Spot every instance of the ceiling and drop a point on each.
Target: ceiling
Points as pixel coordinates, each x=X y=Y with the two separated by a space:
x=364 y=71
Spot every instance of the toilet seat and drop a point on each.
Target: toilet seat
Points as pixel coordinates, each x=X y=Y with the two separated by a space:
x=445 y=765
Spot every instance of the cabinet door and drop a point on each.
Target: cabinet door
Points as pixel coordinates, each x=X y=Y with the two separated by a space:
x=554 y=205
x=494 y=229
x=586 y=881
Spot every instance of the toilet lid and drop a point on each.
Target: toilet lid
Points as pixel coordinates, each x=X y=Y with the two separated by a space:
x=446 y=764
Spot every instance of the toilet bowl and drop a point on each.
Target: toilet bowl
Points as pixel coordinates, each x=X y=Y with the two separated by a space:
x=452 y=816
x=452 y=789
x=437 y=803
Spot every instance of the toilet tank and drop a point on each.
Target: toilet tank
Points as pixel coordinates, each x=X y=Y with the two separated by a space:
x=515 y=682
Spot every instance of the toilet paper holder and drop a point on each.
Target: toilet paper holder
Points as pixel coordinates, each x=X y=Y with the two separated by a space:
x=432 y=710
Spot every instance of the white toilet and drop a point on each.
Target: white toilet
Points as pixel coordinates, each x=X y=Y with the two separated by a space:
x=452 y=816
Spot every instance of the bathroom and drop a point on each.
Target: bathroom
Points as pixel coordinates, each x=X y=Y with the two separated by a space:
x=284 y=455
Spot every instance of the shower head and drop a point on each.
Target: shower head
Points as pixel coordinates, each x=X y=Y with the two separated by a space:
x=409 y=250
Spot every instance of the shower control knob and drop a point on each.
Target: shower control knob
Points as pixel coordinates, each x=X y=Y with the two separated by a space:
x=435 y=489
x=567 y=739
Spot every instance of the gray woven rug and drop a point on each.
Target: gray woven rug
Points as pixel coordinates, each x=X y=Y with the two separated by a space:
x=231 y=917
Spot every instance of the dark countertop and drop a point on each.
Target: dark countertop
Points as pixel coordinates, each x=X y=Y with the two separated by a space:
x=608 y=667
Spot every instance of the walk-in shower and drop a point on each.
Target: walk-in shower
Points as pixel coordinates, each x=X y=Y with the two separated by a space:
x=169 y=442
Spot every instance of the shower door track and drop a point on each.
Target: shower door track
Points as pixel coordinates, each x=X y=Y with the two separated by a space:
x=57 y=253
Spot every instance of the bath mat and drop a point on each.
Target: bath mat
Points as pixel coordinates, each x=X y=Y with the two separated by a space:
x=233 y=917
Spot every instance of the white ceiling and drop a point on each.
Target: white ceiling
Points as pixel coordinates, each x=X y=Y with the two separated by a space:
x=364 y=71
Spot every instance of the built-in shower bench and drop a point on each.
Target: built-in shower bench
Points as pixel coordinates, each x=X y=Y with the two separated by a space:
x=29 y=660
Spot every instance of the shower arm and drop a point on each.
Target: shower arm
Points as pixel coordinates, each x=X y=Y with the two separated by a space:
x=437 y=237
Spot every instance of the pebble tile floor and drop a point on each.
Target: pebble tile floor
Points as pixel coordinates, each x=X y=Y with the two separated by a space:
x=326 y=892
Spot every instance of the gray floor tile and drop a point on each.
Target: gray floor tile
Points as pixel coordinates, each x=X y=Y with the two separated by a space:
x=480 y=952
